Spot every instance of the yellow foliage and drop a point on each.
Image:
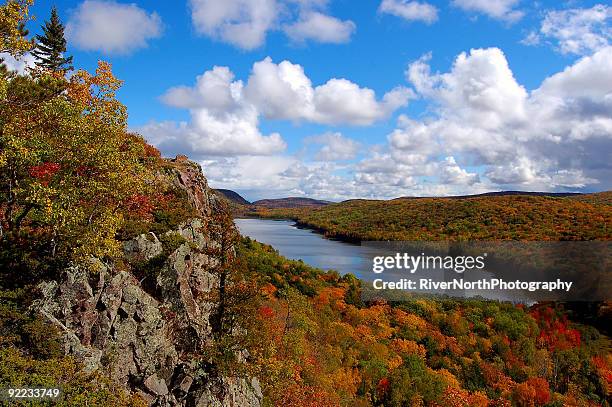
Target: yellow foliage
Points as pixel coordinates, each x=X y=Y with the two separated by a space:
x=13 y=14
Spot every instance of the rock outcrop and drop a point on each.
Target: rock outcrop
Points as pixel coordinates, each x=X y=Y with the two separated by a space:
x=144 y=330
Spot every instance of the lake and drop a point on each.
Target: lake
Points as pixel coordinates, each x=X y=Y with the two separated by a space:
x=304 y=244
x=328 y=254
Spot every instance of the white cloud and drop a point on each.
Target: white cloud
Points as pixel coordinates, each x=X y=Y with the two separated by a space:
x=487 y=132
x=579 y=31
x=18 y=65
x=410 y=10
x=455 y=175
x=321 y=28
x=335 y=147
x=246 y=23
x=248 y=172
x=243 y=23
x=208 y=135
x=225 y=113
x=222 y=121
x=498 y=9
x=111 y=27
x=214 y=90
x=283 y=91
x=480 y=88
x=342 y=101
x=533 y=38
x=556 y=136
x=482 y=131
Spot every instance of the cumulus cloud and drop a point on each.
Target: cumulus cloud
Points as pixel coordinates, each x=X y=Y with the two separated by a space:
x=225 y=113
x=222 y=121
x=410 y=10
x=208 y=135
x=335 y=147
x=214 y=90
x=453 y=174
x=483 y=131
x=111 y=27
x=546 y=139
x=498 y=9
x=321 y=28
x=18 y=65
x=579 y=31
x=246 y=23
x=283 y=91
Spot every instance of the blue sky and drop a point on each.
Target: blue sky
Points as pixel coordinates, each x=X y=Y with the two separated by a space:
x=459 y=124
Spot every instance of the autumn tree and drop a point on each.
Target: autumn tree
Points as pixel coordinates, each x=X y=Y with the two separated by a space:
x=68 y=168
x=222 y=250
x=13 y=17
x=235 y=295
x=51 y=46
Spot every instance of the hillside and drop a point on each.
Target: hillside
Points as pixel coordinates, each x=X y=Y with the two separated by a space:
x=232 y=196
x=511 y=193
x=476 y=218
x=325 y=347
x=291 y=202
x=596 y=198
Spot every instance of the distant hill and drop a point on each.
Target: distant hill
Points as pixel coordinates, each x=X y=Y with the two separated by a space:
x=497 y=216
x=509 y=193
x=291 y=202
x=596 y=198
x=233 y=196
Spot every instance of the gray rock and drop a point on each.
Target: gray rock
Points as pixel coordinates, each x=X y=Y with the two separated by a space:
x=142 y=335
x=156 y=385
x=143 y=247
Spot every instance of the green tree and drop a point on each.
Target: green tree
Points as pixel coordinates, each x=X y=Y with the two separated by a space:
x=51 y=46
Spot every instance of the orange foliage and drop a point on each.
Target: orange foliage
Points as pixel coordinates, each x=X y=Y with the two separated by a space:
x=307 y=396
x=454 y=397
x=406 y=347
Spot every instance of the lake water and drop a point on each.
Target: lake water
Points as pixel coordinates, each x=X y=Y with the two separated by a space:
x=327 y=254
x=303 y=244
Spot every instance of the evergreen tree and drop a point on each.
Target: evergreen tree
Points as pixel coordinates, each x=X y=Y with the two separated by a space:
x=51 y=46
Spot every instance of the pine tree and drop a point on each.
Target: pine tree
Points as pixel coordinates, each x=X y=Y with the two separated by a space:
x=51 y=46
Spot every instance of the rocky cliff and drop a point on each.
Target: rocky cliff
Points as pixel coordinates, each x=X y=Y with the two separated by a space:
x=143 y=329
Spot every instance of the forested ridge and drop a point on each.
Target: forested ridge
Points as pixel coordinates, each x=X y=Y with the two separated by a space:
x=586 y=217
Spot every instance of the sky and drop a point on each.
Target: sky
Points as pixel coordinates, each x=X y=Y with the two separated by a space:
x=340 y=99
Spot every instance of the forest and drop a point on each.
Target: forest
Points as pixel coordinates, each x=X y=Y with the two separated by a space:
x=325 y=347
x=527 y=218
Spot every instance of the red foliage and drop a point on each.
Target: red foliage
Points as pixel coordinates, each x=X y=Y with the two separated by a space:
x=86 y=171
x=44 y=172
x=555 y=333
x=140 y=206
x=307 y=396
x=266 y=312
x=542 y=390
x=603 y=368
x=383 y=385
x=151 y=151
